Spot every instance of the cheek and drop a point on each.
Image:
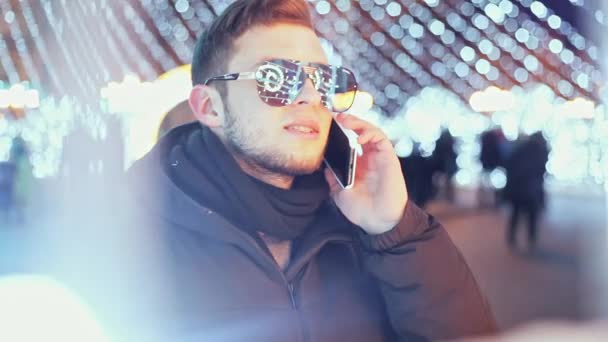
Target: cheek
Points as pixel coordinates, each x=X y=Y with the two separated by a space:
x=326 y=123
x=244 y=95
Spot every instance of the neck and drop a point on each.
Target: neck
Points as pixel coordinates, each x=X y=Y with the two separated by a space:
x=278 y=180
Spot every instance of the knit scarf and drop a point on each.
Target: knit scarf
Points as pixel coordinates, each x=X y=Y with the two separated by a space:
x=203 y=168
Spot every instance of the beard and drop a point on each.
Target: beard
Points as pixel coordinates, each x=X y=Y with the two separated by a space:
x=244 y=141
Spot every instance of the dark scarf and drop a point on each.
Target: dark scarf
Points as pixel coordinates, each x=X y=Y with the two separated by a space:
x=203 y=168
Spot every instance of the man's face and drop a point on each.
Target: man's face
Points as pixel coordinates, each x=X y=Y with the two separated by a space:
x=276 y=139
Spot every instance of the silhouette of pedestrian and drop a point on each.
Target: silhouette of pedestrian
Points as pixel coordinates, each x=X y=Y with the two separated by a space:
x=525 y=185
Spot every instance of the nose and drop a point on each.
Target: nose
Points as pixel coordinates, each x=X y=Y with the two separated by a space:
x=309 y=94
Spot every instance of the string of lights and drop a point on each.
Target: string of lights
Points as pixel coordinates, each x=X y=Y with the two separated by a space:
x=24 y=55
x=40 y=46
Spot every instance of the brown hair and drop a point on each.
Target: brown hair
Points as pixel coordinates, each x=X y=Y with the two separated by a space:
x=215 y=47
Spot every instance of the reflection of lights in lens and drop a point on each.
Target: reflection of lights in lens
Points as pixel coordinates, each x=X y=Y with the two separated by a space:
x=342 y=101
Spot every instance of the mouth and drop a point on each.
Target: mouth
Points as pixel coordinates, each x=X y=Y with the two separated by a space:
x=303 y=129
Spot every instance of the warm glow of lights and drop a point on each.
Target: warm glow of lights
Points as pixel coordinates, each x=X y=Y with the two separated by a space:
x=143 y=105
x=4 y=98
x=580 y=108
x=19 y=97
x=363 y=102
x=492 y=99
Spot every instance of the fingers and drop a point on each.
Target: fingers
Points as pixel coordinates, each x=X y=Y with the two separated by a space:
x=370 y=136
x=368 y=133
x=353 y=123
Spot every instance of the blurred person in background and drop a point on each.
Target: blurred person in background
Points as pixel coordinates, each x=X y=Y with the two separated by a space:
x=112 y=155
x=524 y=190
x=260 y=242
x=418 y=173
x=493 y=155
x=16 y=184
x=444 y=164
x=7 y=193
x=24 y=179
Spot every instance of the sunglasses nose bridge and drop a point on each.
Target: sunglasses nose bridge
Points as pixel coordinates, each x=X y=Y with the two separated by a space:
x=308 y=92
x=309 y=72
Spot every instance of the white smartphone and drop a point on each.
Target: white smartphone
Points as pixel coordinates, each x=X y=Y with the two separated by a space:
x=341 y=155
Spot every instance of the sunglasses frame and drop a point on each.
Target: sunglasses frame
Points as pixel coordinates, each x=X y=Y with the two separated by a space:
x=308 y=69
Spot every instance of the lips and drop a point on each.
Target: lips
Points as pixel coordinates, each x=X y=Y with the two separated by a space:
x=304 y=126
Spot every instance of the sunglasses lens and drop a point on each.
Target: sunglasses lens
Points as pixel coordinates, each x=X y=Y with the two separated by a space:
x=279 y=82
x=342 y=90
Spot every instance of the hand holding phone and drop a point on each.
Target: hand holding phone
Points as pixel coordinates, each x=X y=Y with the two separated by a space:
x=377 y=202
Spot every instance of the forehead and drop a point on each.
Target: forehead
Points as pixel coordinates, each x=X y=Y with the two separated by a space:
x=286 y=41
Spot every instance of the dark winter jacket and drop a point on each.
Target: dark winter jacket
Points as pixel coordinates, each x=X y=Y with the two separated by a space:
x=197 y=277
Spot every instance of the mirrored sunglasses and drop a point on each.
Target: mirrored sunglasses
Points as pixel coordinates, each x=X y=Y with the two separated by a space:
x=280 y=81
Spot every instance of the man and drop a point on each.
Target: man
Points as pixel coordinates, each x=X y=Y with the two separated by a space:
x=525 y=190
x=259 y=242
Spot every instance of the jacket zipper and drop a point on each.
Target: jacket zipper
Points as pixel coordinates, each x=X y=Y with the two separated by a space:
x=291 y=286
x=290 y=289
x=292 y=296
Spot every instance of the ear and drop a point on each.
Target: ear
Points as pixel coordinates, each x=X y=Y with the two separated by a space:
x=207 y=105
